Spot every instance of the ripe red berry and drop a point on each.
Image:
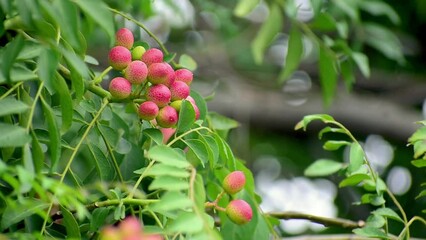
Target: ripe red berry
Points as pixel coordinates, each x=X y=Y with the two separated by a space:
x=234 y=182
x=179 y=90
x=160 y=73
x=167 y=117
x=130 y=226
x=120 y=88
x=136 y=72
x=239 y=211
x=160 y=94
x=184 y=75
x=148 y=110
x=124 y=37
x=152 y=55
x=194 y=105
x=167 y=133
x=119 y=57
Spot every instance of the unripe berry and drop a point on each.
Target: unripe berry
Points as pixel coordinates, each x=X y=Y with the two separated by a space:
x=167 y=117
x=120 y=88
x=179 y=90
x=176 y=105
x=239 y=211
x=130 y=227
x=159 y=94
x=148 y=110
x=152 y=55
x=136 y=72
x=184 y=75
x=234 y=182
x=137 y=52
x=124 y=37
x=194 y=105
x=119 y=57
x=160 y=73
x=167 y=133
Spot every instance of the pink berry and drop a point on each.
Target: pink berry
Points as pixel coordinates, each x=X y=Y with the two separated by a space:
x=179 y=90
x=239 y=211
x=119 y=57
x=160 y=94
x=148 y=110
x=152 y=55
x=184 y=75
x=110 y=233
x=167 y=133
x=160 y=73
x=167 y=117
x=136 y=72
x=194 y=105
x=124 y=37
x=130 y=226
x=120 y=88
x=234 y=182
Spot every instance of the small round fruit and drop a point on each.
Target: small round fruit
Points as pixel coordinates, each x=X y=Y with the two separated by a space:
x=179 y=90
x=194 y=105
x=160 y=73
x=124 y=37
x=160 y=94
x=110 y=233
x=239 y=211
x=120 y=88
x=137 y=52
x=167 y=133
x=148 y=110
x=234 y=182
x=184 y=75
x=136 y=72
x=130 y=226
x=119 y=57
x=152 y=55
x=167 y=117
x=176 y=105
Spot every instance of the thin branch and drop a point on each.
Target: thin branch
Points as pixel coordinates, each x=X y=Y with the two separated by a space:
x=339 y=222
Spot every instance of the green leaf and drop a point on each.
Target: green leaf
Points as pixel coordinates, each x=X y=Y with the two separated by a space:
x=388 y=213
x=348 y=7
x=375 y=221
x=421 y=194
x=419 y=148
x=169 y=57
x=167 y=170
x=104 y=168
x=244 y=7
x=77 y=65
x=328 y=74
x=54 y=136
x=99 y=12
x=354 y=179
x=199 y=149
x=98 y=218
x=168 y=156
x=323 y=22
x=186 y=222
x=154 y=134
x=419 y=163
x=212 y=148
x=10 y=105
x=187 y=62
x=270 y=28
x=66 y=102
x=199 y=192
x=47 y=65
x=378 y=8
x=69 y=21
x=330 y=129
x=169 y=183
x=419 y=134
x=346 y=68
x=294 y=54
x=370 y=232
x=186 y=117
x=27 y=159
x=15 y=214
x=38 y=154
x=373 y=199
x=201 y=104
x=71 y=225
x=334 y=145
x=322 y=167
x=220 y=122
x=362 y=61
x=13 y=136
x=10 y=53
x=171 y=201
x=356 y=157
x=309 y=118
x=385 y=41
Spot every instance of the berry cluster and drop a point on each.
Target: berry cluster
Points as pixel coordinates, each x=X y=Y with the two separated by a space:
x=238 y=210
x=160 y=86
x=128 y=229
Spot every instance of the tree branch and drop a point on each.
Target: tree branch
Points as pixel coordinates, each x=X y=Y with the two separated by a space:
x=339 y=222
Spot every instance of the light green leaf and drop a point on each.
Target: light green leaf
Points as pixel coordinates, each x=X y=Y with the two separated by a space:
x=348 y=7
x=384 y=41
x=334 y=145
x=371 y=232
x=419 y=163
x=199 y=149
x=330 y=129
x=309 y=118
x=47 y=64
x=322 y=167
x=270 y=28
x=167 y=170
x=199 y=192
x=220 y=122
x=389 y=213
x=186 y=222
x=15 y=214
x=13 y=136
x=362 y=61
x=168 y=155
x=378 y=8
x=375 y=221
x=244 y=7
x=294 y=54
x=354 y=179
x=373 y=199
x=187 y=62
x=347 y=71
x=419 y=148
x=201 y=104
x=356 y=157
x=169 y=183
x=419 y=134
x=186 y=117
x=10 y=105
x=154 y=134
x=328 y=74
x=71 y=225
x=171 y=201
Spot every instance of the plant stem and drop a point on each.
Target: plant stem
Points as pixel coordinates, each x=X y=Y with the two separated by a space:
x=99 y=78
x=37 y=96
x=125 y=201
x=140 y=180
x=11 y=90
x=339 y=222
x=99 y=91
x=186 y=133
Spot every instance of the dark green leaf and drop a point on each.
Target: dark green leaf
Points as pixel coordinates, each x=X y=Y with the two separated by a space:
x=199 y=149
x=371 y=232
x=187 y=62
x=98 y=218
x=354 y=179
x=38 y=154
x=201 y=104
x=384 y=41
x=168 y=155
x=356 y=157
x=104 y=168
x=47 y=64
x=328 y=74
x=323 y=22
x=348 y=7
x=362 y=61
x=15 y=214
x=346 y=68
x=71 y=225
x=212 y=148
x=54 y=136
x=186 y=117
x=378 y=8
x=323 y=167
x=169 y=57
x=294 y=54
x=13 y=136
x=244 y=7
x=154 y=134
x=12 y=106
x=66 y=102
x=270 y=28
x=69 y=22
x=10 y=53
x=76 y=64
x=421 y=194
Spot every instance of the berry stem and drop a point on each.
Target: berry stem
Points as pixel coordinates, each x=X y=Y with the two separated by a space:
x=99 y=78
x=99 y=91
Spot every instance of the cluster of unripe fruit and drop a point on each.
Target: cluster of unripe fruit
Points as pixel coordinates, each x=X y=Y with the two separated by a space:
x=238 y=210
x=145 y=74
x=128 y=229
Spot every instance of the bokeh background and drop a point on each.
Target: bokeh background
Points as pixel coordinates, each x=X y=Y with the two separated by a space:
x=380 y=111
